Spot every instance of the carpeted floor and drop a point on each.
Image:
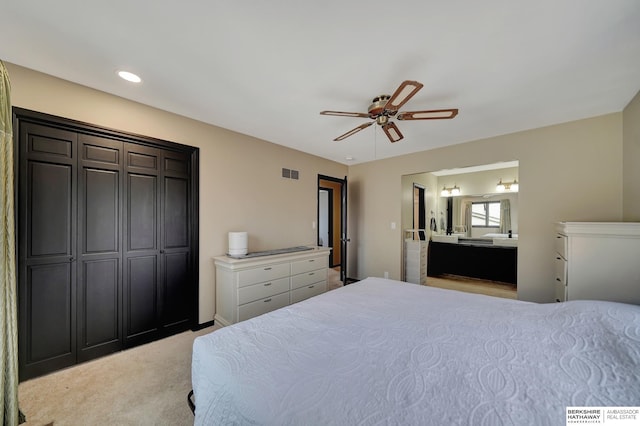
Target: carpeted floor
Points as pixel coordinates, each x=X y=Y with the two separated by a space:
x=146 y=385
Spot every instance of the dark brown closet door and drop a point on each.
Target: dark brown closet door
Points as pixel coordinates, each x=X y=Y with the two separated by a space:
x=99 y=238
x=47 y=252
x=176 y=278
x=141 y=257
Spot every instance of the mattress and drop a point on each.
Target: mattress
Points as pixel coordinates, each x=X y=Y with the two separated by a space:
x=386 y=352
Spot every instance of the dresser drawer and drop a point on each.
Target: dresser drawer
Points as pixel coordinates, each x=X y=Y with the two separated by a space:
x=259 y=307
x=561 y=245
x=306 y=292
x=262 y=274
x=416 y=256
x=307 y=278
x=262 y=290
x=560 y=270
x=561 y=292
x=309 y=265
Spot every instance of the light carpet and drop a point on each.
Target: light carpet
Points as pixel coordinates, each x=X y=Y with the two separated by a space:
x=145 y=385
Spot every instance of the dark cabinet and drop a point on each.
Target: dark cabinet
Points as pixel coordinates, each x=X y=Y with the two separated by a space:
x=106 y=239
x=483 y=261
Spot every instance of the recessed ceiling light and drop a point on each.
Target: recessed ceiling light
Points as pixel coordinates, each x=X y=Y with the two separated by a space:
x=349 y=158
x=129 y=76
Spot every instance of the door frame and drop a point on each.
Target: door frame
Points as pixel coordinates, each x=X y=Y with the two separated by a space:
x=343 y=234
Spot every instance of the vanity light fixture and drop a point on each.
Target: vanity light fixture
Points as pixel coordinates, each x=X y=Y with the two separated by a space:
x=507 y=186
x=448 y=192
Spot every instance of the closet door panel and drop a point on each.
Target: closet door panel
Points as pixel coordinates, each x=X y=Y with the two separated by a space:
x=176 y=284
x=142 y=308
x=142 y=251
x=49 y=297
x=49 y=209
x=46 y=249
x=100 y=189
x=176 y=213
x=142 y=212
x=101 y=279
x=102 y=196
x=176 y=242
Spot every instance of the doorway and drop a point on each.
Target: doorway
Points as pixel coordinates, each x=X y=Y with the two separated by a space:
x=332 y=223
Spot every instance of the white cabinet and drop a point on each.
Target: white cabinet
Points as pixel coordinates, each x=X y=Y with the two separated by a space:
x=598 y=261
x=415 y=258
x=252 y=286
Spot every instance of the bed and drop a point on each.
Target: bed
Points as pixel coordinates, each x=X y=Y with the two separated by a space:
x=386 y=352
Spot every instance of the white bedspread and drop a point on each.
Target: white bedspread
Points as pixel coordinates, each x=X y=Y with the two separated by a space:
x=382 y=352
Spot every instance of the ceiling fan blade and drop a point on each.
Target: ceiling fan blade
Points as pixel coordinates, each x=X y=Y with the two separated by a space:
x=354 y=131
x=403 y=93
x=345 y=114
x=434 y=114
x=392 y=132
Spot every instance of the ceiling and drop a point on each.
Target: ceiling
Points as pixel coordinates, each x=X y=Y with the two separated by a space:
x=267 y=69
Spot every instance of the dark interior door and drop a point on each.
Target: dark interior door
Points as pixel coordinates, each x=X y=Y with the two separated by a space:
x=338 y=235
x=47 y=257
x=141 y=257
x=175 y=253
x=99 y=238
x=344 y=238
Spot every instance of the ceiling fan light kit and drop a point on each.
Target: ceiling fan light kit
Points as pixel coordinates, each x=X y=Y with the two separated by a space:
x=385 y=107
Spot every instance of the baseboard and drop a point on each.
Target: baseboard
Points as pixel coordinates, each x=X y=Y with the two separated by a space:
x=203 y=325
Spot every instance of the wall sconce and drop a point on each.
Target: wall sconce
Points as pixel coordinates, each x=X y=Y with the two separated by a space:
x=507 y=186
x=447 y=192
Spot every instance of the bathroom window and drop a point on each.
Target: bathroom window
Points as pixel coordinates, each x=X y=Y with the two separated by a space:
x=485 y=214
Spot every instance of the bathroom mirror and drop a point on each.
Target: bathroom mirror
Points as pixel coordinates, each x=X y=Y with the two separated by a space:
x=474 y=212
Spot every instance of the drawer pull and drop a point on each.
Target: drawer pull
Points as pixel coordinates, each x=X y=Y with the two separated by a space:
x=312 y=260
x=267 y=269
x=559 y=258
x=559 y=280
x=267 y=284
x=312 y=273
x=311 y=286
x=267 y=300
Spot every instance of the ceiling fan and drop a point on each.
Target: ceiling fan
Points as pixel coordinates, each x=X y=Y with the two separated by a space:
x=385 y=107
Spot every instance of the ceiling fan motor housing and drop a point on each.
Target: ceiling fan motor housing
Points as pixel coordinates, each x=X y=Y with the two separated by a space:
x=376 y=109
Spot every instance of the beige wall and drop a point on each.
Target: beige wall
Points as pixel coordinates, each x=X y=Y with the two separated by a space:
x=567 y=172
x=241 y=188
x=571 y=171
x=631 y=163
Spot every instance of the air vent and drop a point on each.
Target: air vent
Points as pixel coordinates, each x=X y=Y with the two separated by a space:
x=290 y=174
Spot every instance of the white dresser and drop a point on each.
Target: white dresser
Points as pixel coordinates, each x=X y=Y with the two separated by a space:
x=249 y=287
x=598 y=260
x=415 y=258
